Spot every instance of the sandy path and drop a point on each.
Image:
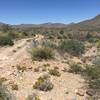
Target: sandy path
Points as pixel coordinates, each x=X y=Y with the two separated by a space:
x=9 y=58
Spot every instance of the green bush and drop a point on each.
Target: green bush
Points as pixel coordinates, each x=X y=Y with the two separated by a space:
x=98 y=44
x=5 y=40
x=93 y=72
x=93 y=75
x=73 y=47
x=50 y=44
x=96 y=61
x=94 y=84
x=93 y=40
x=76 y=68
x=40 y=53
x=12 y=35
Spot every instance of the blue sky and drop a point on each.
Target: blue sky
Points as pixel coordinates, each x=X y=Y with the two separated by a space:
x=41 y=11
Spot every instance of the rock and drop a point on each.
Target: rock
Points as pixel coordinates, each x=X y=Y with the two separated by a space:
x=90 y=92
x=79 y=92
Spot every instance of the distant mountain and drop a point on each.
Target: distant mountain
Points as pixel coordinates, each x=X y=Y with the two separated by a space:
x=91 y=24
x=24 y=25
x=49 y=24
x=2 y=23
x=95 y=22
x=88 y=24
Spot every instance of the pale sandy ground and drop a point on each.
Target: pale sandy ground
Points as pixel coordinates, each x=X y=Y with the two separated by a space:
x=67 y=82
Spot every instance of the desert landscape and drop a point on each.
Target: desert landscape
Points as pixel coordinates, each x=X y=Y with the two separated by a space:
x=51 y=61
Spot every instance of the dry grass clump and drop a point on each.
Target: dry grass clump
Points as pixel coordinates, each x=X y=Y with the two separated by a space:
x=40 y=53
x=2 y=79
x=21 y=68
x=54 y=72
x=14 y=87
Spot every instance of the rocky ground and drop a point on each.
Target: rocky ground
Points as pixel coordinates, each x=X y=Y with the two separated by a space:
x=66 y=87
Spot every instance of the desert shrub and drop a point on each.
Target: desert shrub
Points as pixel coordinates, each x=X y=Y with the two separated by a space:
x=54 y=72
x=33 y=96
x=14 y=87
x=4 y=40
x=98 y=44
x=5 y=94
x=46 y=65
x=40 y=53
x=76 y=68
x=43 y=84
x=96 y=61
x=21 y=68
x=93 y=76
x=73 y=47
x=49 y=44
x=93 y=72
x=2 y=79
x=94 y=84
x=36 y=69
x=12 y=35
x=93 y=40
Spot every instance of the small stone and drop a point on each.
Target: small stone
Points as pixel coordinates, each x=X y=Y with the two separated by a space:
x=90 y=92
x=79 y=92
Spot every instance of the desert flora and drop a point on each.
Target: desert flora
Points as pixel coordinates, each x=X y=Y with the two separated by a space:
x=40 y=53
x=2 y=79
x=14 y=87
x=48 y=43
x=93 y=40
x=33 y=96
x=93 y=72
x=4 y=40
x=21 y=68
x=73 y=47
x=36 y=69
x=75 y=68
x=96 y=61
x=98 y=44
x=46 y=65
x=5 y=94
x=54 y=72
x=43 y=84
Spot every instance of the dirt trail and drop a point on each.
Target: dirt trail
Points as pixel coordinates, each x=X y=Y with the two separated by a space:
x=9 y=56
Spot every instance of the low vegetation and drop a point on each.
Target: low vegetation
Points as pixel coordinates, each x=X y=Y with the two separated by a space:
x=42 y=53
x=5 y=94
x=14 y=87
x=4 y=40
x=54 y=72
x=33 y=96
x=90 y=72
x=43 y=83
x=75 y=68
x=74 y=47
x=96 y=61
x=21 y=68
